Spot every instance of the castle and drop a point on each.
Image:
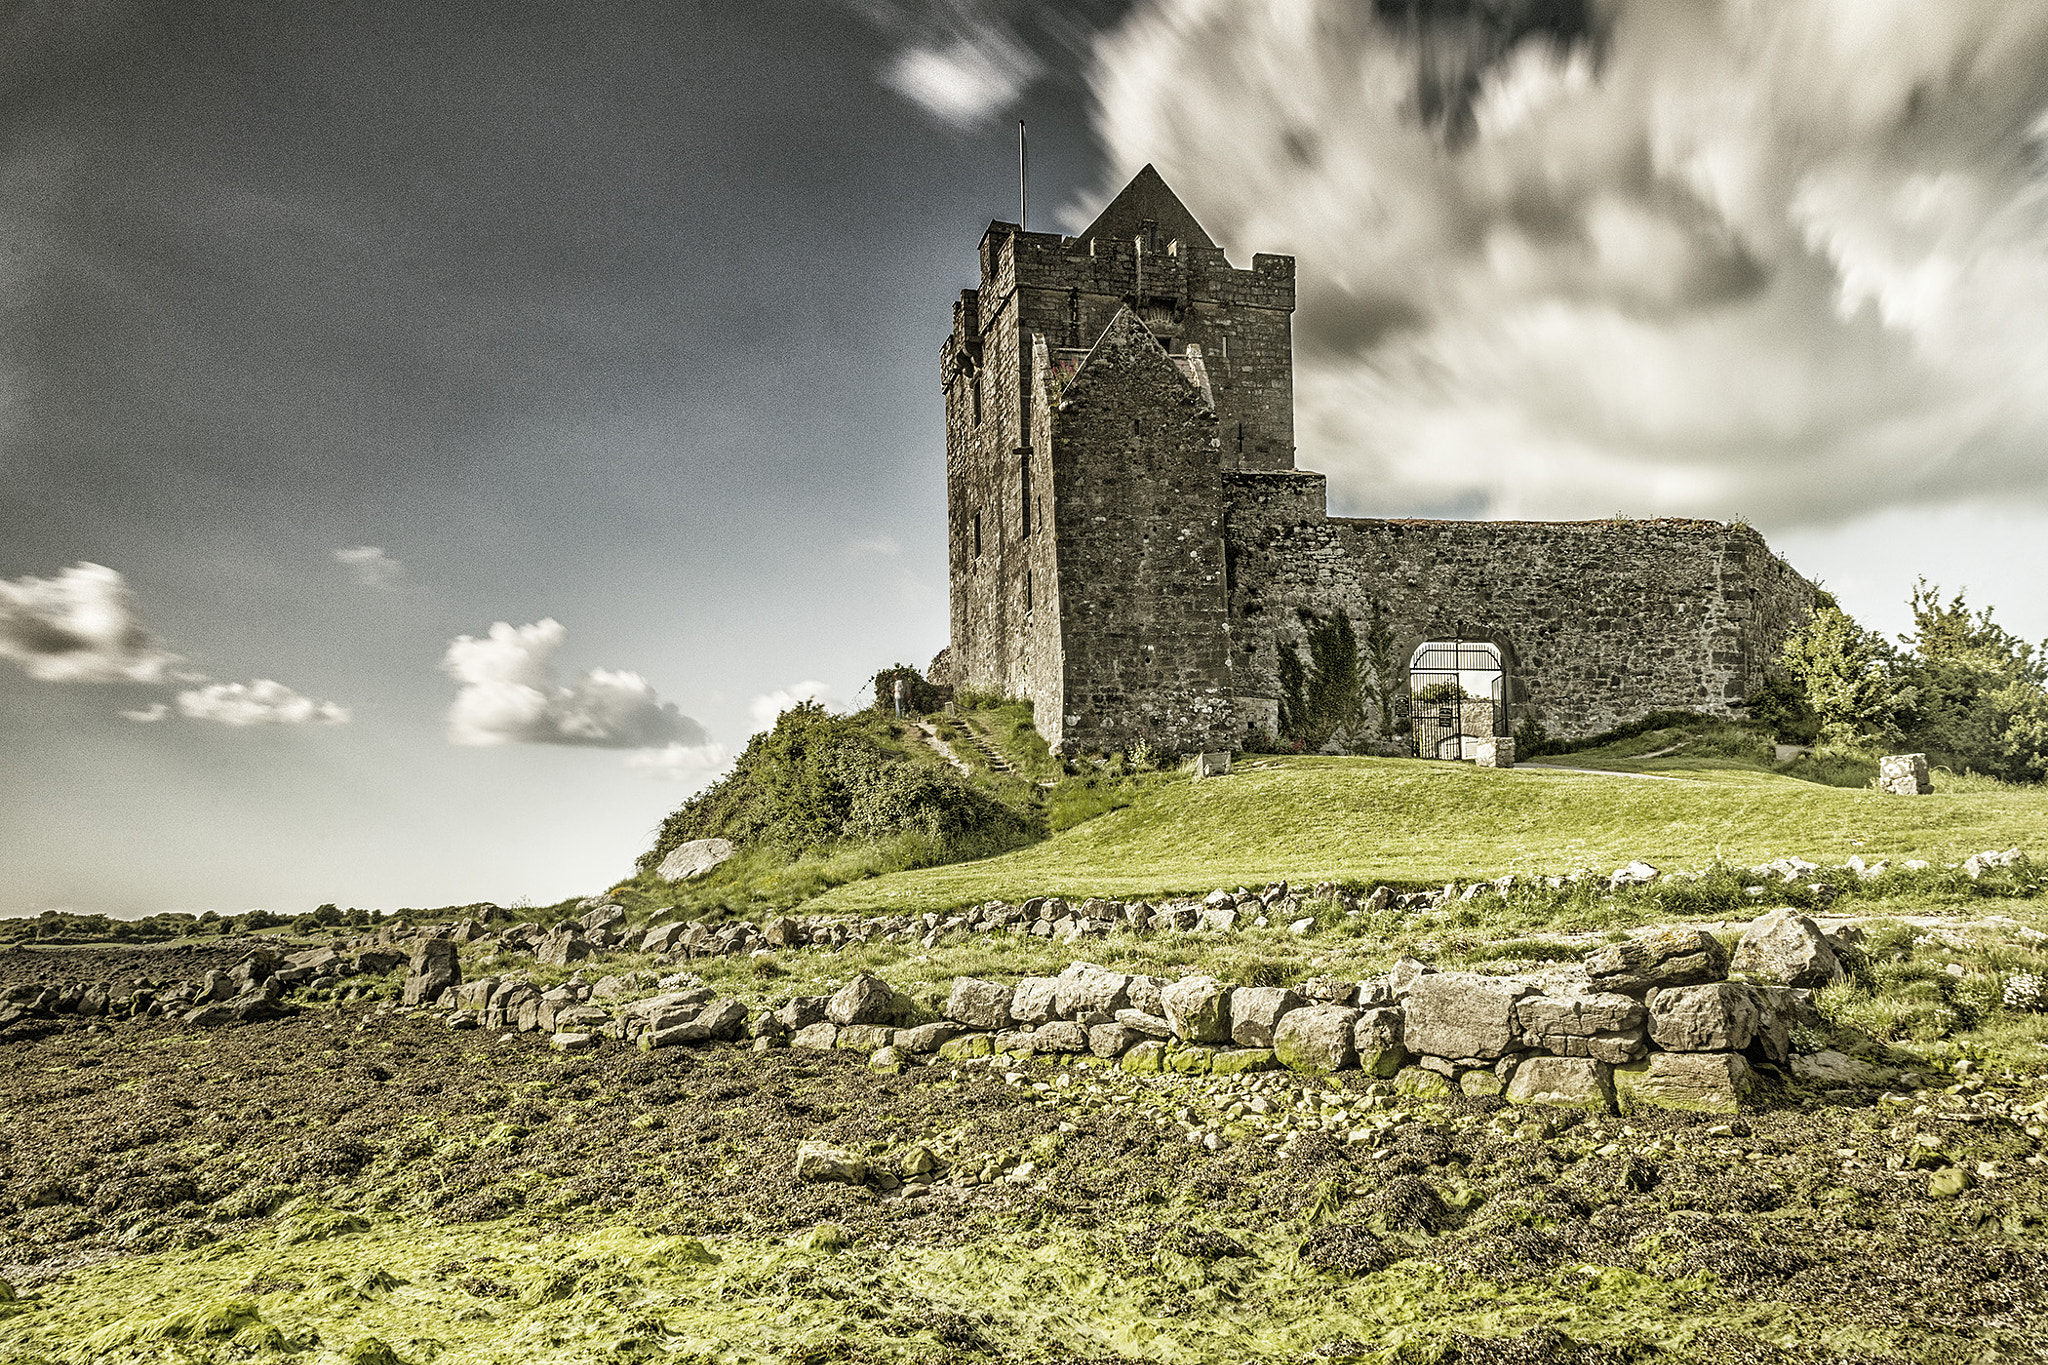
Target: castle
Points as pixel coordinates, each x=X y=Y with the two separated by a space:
x=1132 y=548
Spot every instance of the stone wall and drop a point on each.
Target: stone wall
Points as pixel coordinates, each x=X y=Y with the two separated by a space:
x=1597 y=622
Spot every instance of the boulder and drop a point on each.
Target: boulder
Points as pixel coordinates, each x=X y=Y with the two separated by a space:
x=1316 y=1039
x=1256 y=1010
x=1605 y=1027
x=864 y=1037
x=1110 y=1041
x=819 y=1036
x=1084 y=988
x=725 y=1020
x=1143 y=993
x=603 y=919
x=979 y=1004
x=967 y=1047
x=821 y=1162
x=663 y=938
x=802 y=1012
x=693 y=859
x=1061 y=1035
x=560 y=947
x=1461 y=1014
x=782 y=932
x=1711 y=1082
x=1839 y=1069
x=433 y=970
x=1144 y=1059
x=1665 y=957
x=1035 y=1000
x=1240 y=1061
x=1198 y=1009
x=575 y=1042
x=581 y=1019
x=1329 y=990
x=926 y=1037
x=1726 y=1016
x=864 y=1000
x=1785 y=948
x=1150 y=1025
x=1376 y=1038
x=1571 y=1082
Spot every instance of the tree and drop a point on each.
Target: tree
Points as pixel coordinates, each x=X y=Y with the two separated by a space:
x=1847 y=675
x=1975 y=685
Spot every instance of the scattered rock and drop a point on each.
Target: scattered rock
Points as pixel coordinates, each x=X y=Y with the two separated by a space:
x=693 y=859
x=864 y=1000
x=822 y=1162
x=1786 y=948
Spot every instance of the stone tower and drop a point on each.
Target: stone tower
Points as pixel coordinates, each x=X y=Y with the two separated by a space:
x=1096 y=388
x=1133 y=551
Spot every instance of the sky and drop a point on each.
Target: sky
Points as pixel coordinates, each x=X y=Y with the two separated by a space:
x=434 y=438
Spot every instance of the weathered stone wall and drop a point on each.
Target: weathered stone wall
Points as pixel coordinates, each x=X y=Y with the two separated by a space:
x=1137 y=510
x=1597 y=622
x=1075 y=602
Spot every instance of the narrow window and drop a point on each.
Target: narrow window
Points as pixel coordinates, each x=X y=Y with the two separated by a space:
x=977 y=535
x=974 y=387
x=1024 y=477
x=1027 y=592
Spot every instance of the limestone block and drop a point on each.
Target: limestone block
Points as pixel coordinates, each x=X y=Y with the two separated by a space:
x=1215 y=764
x=1316 y=1039
x=821 y=1036
x=818 y=1161
x=1143 y=992
x=1726 y=1016
x=1376 y=1038
x=1420 y=1083
x=1112 y=1040
x=1839 y=1069
x=1329 y=990
x=1189 y=1061
x=864 y=1037
x=1711 y=1082
x=1494 y=751
x=1904 y=775
x=1256 y=1010
x=1461 y=1014
x=1666 y=957
x=1571 y=1082
x=725 y=1020
x=1238 y=1061
x=693 y=859
x=1035 y=1000
x=926 y=1037
x=1198 y=1009
x=1143 y=1059
x=1084 y=988
x=1603 y=1026
x=1785 y=948
x=864 y=1000
x=967 y=1047
x=979 y=1004
x=1061 y=1035
x=1150 y=1025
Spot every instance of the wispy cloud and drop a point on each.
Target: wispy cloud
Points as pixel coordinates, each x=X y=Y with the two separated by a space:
x=1716 y=257
x=262 y=702
x=147 y=715
x=963 y=62
x=680 y=762
x=508 y=694
x=80 y=626
x=371 y=567
x=766 y=707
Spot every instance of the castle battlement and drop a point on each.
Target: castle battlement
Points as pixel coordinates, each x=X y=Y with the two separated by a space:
x=1133 y=549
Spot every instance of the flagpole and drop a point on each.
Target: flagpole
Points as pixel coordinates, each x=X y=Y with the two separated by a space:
x=1023 y=180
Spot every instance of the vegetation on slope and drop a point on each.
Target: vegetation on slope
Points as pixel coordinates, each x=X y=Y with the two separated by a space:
x=1361 y=820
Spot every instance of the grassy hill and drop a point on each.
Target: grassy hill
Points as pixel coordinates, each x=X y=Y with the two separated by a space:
x=1366 y=819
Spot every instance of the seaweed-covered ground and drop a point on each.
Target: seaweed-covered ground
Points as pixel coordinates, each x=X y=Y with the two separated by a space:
x=361 y=1184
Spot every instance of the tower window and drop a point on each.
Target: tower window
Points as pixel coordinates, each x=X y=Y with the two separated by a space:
x=974 y=389
x=977 y=535
x=1027 y=592
x=1024 y=478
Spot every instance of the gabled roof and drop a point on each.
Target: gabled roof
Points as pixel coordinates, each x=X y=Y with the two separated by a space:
x=1148 y=196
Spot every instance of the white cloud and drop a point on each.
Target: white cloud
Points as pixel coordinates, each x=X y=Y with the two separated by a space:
x=766 y=707
x=149 y=714
x=80 y=626
x=370 y=566
x=1787 y=259
x=262 y=702
x=508 y=695
x=681 y=762
x=961 y=62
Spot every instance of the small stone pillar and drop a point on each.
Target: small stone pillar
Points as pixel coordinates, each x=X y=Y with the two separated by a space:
x=1213 y=764
x=1494 y=751
x=1904 y=775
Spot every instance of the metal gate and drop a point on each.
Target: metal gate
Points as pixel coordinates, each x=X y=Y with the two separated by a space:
x=1457 y=697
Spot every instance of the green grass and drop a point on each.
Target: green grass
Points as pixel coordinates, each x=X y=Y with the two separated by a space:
x=1359 y=820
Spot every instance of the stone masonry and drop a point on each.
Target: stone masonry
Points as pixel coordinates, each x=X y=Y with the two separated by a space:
x=1131 y=544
